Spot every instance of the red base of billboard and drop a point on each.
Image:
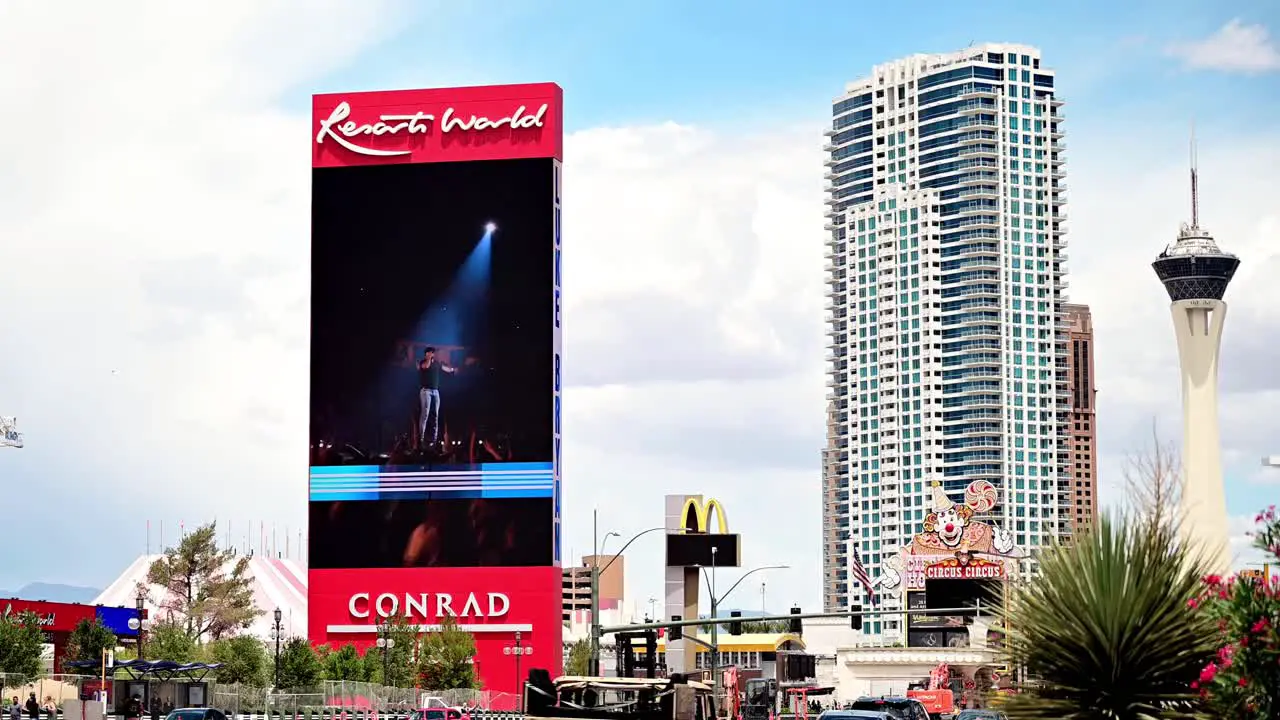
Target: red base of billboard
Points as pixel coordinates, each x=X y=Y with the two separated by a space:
x=503 y=608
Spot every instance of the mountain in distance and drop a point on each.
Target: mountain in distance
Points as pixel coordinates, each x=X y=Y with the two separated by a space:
x=53 y=592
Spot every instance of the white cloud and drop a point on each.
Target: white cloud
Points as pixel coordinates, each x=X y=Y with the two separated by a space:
x=1235 y=47
x=153 y=210
x=1244 y=553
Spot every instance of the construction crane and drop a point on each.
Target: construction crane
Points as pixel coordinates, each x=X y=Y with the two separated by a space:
x=9 y=435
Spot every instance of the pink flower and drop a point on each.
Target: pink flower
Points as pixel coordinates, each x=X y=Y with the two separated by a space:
x=1208 y=673
x=1225 y=653
x=1193 y=603
x=1261 y=626
x=1212 y=580
x=1244 y=682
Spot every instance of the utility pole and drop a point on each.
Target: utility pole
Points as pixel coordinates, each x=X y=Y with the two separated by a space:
x=715 y=631
x=593 y=665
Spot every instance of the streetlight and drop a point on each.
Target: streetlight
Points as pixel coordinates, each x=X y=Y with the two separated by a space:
x=593 y=667
x=518 y=650
x=278 y=627
x=141 y=604
x=385 y=643
x=715 y=605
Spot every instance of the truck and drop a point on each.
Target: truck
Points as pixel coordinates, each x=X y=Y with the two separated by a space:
x=618 y=698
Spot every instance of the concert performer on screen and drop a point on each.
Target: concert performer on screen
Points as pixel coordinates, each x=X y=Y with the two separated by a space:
x=429 y=370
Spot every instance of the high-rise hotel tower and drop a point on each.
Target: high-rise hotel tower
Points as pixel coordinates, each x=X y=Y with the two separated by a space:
x=948 y=342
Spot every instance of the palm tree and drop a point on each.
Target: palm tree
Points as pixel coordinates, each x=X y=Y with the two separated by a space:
x=1107 y=630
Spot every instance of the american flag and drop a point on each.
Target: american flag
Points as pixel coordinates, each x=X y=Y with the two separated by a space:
x=860 y=574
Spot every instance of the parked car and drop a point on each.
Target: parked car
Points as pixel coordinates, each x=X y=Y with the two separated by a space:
x=195 y=714
x=855 y=715
x=899 y=708
x=981 y=715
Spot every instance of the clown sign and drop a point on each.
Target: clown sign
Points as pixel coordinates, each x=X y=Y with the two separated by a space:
x=957 y=543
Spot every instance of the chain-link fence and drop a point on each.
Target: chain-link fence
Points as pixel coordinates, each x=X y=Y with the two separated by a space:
x=332 y=698
x=349 y=695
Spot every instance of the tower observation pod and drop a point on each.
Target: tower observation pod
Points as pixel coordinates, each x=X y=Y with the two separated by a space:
x=1195 y=272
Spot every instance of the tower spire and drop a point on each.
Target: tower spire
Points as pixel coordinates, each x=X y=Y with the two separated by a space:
x=1195 y=185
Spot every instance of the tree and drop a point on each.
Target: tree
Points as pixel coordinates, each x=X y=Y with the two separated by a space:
x=344 y=663
x=1107 y=630
x=764 y=626
x=1153 y=481
x=445 y=658
x=300 y=666
x=578 y=661
x=89 y=641
x=243 y=659
x=21 y=642
x=398 y=661
x=207 y=588
x=169 y=641
x=1243 y=681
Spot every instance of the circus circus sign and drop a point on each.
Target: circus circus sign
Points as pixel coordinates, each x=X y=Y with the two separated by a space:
x=956 y=543
x=958 y=569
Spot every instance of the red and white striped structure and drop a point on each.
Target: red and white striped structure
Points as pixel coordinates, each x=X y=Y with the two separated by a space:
x=276 y=582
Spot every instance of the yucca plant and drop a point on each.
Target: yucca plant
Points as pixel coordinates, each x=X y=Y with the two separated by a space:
x=1106 y=631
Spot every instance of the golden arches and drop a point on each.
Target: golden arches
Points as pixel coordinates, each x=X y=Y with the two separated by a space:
x=696 y=516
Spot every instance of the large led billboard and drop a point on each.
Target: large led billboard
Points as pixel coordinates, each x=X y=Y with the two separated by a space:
x=435 y=361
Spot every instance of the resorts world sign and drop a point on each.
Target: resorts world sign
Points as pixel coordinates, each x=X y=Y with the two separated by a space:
x=347 y=132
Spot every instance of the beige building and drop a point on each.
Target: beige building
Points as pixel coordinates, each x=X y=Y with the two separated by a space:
x=577 y=584
x=1082 y=432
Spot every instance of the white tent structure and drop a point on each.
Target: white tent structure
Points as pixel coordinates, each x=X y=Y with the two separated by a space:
x=276 y=582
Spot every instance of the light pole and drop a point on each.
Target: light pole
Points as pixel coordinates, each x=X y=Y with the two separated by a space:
x=519 y=650
x=715 y=606
x=593 y=666
x=140 y=603
x=278 y=627
x=385 y=643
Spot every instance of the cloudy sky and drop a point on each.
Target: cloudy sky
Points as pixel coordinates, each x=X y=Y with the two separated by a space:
x=154 y=166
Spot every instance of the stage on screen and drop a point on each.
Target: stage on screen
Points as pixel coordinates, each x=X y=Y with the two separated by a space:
x=431 y=336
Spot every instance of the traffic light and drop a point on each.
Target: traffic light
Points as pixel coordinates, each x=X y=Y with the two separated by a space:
x=675 y=632
x=794 y=625
x=855 y=620
x=735 y=628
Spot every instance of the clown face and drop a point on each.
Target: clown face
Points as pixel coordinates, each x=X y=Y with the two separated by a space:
x=950 y=526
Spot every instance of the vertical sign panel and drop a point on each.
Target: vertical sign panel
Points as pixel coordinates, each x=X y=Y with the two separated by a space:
x=435 y=369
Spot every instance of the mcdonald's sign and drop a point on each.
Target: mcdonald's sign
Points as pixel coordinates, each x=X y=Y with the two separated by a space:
x=696 y=516
x=701 y=543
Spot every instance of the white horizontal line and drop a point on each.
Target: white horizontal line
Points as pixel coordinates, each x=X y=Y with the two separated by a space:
x=461 y=482
x=425 y=487
x=436 y=477
x=371 y=629
x=428 y=473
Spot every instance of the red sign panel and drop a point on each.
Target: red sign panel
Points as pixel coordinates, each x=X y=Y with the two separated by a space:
x=493 y=604
x=974 y=569
x=54 y=617
x=493 y=122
